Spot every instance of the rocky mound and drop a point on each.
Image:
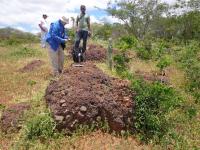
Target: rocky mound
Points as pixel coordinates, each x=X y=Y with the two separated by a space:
x=31 y=66
x=11 y=117
x=95 y=53
x=86 y=95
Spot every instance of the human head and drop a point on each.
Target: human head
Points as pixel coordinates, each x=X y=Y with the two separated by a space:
x=44 y=16
x=83 y=8
x=64 y=20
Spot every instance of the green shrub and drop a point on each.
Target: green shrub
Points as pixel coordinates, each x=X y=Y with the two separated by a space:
x=31 y=82
x=126 y=43
x=189 y=60
x=12 y=37
x=41 y=125
x=121 y=63
x=152 y=103
x=71 y=34
x=103 y=32
x=191 y=111
x=163 y=63
x=143 y=53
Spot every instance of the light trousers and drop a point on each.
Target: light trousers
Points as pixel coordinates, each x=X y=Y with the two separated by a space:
x=56 y=59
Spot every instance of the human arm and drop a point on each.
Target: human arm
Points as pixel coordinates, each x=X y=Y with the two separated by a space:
x=54 y=30
x=89 y=27
x=77 y=21
x=42 y=27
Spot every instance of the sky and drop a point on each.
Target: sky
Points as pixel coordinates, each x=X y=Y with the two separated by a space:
x=25 y=15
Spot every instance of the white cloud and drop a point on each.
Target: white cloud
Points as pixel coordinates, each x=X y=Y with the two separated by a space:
x=26 y=14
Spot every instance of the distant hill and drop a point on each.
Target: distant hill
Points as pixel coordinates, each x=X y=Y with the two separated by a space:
x=9 y=33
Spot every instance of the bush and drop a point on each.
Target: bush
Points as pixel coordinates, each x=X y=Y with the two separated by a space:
x=189 y=60
x=103 y=32
x=121 y=63
x=163 y=63
x=40 y=126
x=152 y=103
x=144 y=54
x=126 y=43
x=71 y=34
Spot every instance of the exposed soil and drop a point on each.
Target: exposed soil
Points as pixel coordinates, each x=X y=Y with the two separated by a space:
x=4 y=101
x=152 y=77
x=95 y=53
x=85 y=95
x=32 y=66
x=11 y=117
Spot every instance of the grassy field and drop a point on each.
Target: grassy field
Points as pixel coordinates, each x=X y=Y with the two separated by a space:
x=16 y=86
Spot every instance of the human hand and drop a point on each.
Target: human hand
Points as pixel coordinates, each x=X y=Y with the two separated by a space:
x=77 y=30
x=89 y=33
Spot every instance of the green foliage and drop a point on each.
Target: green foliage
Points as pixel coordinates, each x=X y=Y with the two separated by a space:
x=41 y=125
x=150 y=49
x=121 y=63
x=31 y=82
x=143 y=17
x=126 y=43
x=144 y=54
x=13 y=37
x=71 y=34
x=152 y=103
x=103 y=32
x=163 y=63
x=191 y=111
x=159 y=49
x=2 y=107
x=189 y=59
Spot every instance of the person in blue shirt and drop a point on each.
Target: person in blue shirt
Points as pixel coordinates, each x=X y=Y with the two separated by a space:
x=55 y=37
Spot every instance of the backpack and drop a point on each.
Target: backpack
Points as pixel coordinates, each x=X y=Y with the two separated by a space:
x=77 y=54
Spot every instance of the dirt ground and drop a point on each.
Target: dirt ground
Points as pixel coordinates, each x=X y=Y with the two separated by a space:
x=10 y=119
x=85 y=95
x=95 y=53
x=152 y=76
x=32 y=65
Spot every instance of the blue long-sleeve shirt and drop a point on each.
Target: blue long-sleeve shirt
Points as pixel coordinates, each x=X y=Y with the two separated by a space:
x=56 y=35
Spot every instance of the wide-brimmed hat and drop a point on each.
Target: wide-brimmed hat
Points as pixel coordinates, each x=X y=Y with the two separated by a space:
x=64 y=19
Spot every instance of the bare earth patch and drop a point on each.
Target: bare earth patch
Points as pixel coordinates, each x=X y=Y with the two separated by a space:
x=32 y=66
x=10 y=119
x=85 y=95
x=152 y=77
x=95 y=53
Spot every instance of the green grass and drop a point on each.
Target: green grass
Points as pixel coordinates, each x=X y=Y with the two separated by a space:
x=184 y=121
x=30 y=87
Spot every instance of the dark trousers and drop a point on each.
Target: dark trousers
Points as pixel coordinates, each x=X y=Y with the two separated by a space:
x=82 y=34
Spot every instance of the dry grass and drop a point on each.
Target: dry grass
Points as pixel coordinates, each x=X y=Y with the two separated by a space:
x=16 y=86
x=141 y=65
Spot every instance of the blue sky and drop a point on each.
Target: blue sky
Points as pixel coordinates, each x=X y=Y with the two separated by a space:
x=26 y=14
